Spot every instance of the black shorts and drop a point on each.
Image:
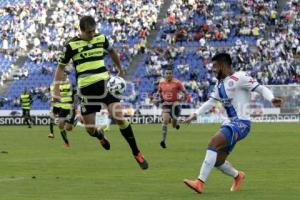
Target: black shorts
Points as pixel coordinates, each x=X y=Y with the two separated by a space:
x=172 y=109
x=55 y=111
x=68 y=114
x=26 y=112
x=95 y=97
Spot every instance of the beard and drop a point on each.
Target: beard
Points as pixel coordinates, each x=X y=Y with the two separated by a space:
x=220 y=75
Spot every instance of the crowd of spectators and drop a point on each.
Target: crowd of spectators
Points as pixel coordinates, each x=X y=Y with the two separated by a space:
x=218 y=20
x=273 y=57
x=27 y=27
x=33 y=29
x=125 y=22
x=6 y=67
x=21 y=22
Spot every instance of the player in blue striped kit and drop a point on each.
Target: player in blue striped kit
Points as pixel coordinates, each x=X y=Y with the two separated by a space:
x=233 y=91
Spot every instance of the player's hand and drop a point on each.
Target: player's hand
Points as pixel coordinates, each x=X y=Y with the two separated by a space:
x=121 y=72
x=55 y=98
x=277 y=102
x=190 y=118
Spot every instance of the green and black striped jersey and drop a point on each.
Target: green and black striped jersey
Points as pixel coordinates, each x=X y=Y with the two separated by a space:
x=26 y=100
x=88 y=58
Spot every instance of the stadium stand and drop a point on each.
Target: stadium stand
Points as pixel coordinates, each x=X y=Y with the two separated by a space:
x=268 y=56
x=263 y=42
x=215 y=23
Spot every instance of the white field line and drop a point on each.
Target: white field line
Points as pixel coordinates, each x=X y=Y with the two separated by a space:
x=11 y=179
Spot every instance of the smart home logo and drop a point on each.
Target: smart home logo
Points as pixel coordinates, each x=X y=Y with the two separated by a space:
x=37 y=120
x=151 y=119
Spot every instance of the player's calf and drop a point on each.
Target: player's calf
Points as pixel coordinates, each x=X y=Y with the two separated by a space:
x=100 y=136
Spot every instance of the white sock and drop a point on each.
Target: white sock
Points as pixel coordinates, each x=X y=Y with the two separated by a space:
x=208 y=164
x=227 y=168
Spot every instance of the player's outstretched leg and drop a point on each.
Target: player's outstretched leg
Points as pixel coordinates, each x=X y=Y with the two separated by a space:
x=229 y=170
x=89 y=123
x=99 y=134
x=28 y=122
x=237 y=181
x=63 y=134
x=166 y=118
x=207 y=165
x=126 y=131
x=175 y=124
x=164 y=136
x=115 y=109
x=217 y=142
x=51 y=134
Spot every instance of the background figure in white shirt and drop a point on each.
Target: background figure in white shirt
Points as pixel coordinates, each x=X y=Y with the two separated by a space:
x=232 y=90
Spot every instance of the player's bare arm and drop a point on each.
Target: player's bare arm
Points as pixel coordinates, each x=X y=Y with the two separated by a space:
x=268 y=95
x=203 y=109
x=115 y=57
x=157 y=98
x=187 y=96
x=57 y=81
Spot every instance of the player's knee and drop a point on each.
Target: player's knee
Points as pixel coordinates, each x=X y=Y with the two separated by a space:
x=61 y=126
x=217 y=143
x=68 y=128
x=166 y=120
x=119 y=122
x=213 y=143
x=116 y=113
x=123 y=124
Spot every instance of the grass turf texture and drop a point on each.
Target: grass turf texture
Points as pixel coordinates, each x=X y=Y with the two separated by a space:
x=33 y=167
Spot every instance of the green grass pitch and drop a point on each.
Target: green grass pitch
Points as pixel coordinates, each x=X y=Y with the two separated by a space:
x=33 y=167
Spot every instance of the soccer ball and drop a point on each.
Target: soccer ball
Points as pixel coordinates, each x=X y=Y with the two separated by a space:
x=116 y=85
